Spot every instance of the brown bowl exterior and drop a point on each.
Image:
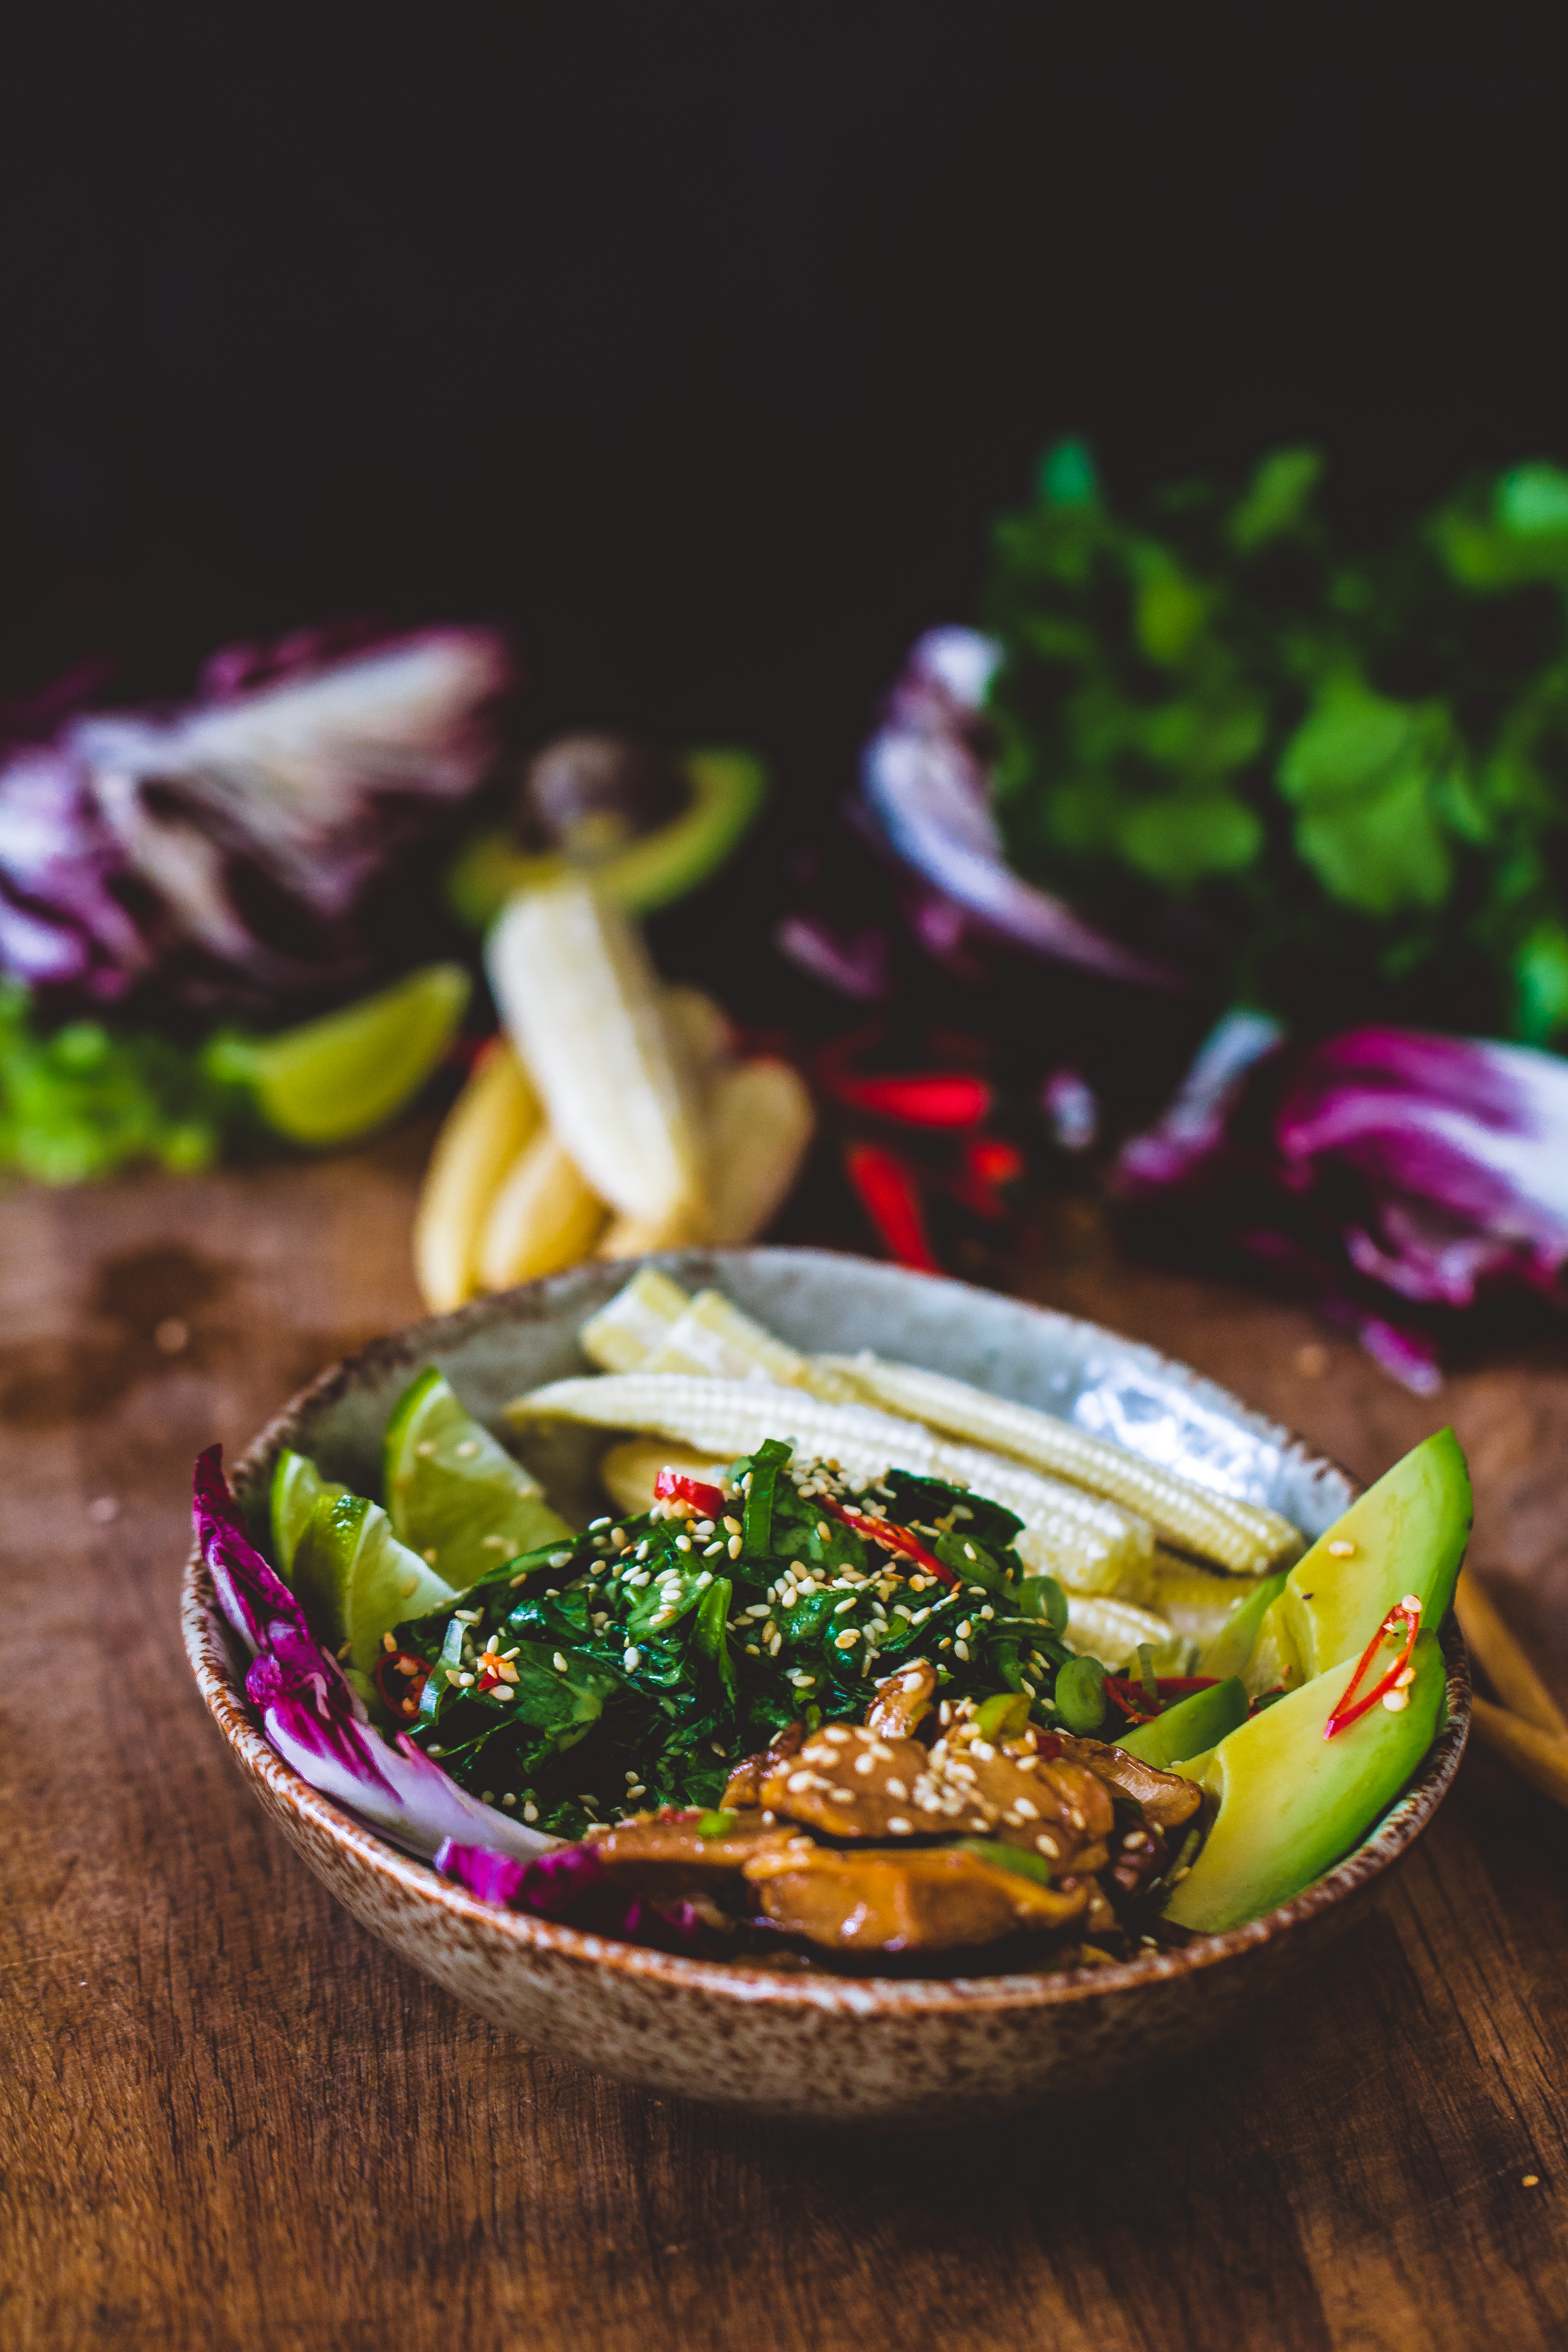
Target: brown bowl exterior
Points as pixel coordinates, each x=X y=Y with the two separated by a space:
x=868 y=2052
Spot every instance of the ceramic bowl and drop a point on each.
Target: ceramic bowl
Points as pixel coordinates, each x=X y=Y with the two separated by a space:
x=849 y=2051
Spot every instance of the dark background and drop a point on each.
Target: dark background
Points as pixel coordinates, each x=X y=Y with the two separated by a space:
x=703 y=342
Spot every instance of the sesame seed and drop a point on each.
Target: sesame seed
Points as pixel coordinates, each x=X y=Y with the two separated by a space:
x=1412 y=1601
x=559 y=1663
x=595 y=1525
x=840 y=1606
x=531 y=1812
x=899 y=1827
x=1396 y=1701
x=631 y=1658
x=1341 y=1550
x=733 y=1547
x=846 y=1641
x=964 y=1630
x=387 y=1643
x=752 y=1651
x=509 y=1799
x=1531 y=2180
x=824 y=1530
x=560 y=1560
x=637 y=1789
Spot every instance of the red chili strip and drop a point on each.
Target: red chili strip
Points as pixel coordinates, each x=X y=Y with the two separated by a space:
x=891 y=1538
x=670 y=1488
x=1407 y=1611
x=987 y=1164
x=1131 y=1698
x=403 y=1695
x=934 y=1098
x=891 y=1198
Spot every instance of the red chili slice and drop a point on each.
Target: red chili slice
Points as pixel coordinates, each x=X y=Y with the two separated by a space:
x=1131 y=1698
x=935 y=1098
x=986 y=1163
x=403 y=1697
x=891 y=1198
x=670 y=1488
x=1408 y=1610
x=891 y=1538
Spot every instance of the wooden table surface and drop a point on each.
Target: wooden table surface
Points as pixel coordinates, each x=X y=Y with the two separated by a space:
x=229 y=2117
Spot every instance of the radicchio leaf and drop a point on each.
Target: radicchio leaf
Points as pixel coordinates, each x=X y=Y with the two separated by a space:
x=1381 y=1164
x=230 y=850
x=572 y=1886
x=310 y=1712
x=925 y=793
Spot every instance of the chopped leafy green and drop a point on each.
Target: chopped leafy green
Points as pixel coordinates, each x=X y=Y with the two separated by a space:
x=1336 y=773
x=597 y=1676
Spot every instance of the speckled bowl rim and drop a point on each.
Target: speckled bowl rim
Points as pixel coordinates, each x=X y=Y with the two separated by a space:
x=204 y=1634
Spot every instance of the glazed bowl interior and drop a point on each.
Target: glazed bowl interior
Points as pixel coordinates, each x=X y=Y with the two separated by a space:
x=558 y=1985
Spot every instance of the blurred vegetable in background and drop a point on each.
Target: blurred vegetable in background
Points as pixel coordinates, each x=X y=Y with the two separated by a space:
x=232 y=855
x=1330 y=781
x=1380 y=1171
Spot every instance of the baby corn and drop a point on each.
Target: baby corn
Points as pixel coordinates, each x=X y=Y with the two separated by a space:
x=713 y=1338
x=543 y=1218
x=760 y=1125
x=624 y=1333
x=483 y=1134
x=1112 y=1632
x=1196 y=1601
x=1089 y=1545
x=580 y=1001
x=1245 y=1538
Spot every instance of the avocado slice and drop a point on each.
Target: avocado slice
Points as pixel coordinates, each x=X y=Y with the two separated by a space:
x=1291 y=1803
x=1231 y=1650
x=1193 y=1724
x=1407 y=1534
x=726 y=790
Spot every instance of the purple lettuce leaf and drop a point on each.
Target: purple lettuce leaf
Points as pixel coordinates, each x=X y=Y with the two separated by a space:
x=573 y=1886
x=232 y=851
x=925 y=794
x=309 y=1710
x=1382 y=1168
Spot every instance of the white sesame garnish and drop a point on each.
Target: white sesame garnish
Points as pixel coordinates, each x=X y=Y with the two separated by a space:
x=1396 y=1701
x=899 y=1827
x=531 y=1812
x=631 y=1658
x=1341 y=1550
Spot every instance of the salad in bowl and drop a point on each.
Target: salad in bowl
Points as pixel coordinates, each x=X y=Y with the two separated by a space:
x=868 y=1676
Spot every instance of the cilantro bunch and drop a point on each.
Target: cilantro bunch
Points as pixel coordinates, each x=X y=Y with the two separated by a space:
x=1332 y=778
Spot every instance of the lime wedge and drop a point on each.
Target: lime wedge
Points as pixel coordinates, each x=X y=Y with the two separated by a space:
x=455 y=1496
x=297 y=1487
x=354 y=1576
x=332 y=1079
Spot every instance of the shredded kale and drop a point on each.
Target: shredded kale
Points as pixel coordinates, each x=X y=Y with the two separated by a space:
x=650 y=1658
